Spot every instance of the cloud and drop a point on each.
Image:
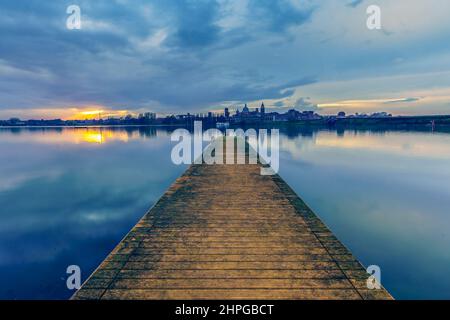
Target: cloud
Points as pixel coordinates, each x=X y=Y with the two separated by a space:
x=305 y=104
x=194 y=23
x=354 y=3
x=162 y=55
x=403 y=100
x=182 y=55
x=282 y=14
x=279 y=104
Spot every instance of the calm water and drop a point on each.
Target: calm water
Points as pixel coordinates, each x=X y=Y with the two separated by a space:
x=68 y=196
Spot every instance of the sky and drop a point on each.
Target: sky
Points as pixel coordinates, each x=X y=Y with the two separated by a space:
x=179 y=56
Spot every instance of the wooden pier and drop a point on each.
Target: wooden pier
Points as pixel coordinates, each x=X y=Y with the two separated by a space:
x=227 y=232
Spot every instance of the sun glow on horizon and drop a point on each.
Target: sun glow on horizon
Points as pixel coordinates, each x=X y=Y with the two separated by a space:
x=82 y=135
x=96 y=113
x=92 y=137
x=66 y=113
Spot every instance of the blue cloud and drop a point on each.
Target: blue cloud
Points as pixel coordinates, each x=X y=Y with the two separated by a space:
x=403 y=100
x=193 y=22
x=177 y=55
x=102 y=62
x=279 y=15
x=354 y=3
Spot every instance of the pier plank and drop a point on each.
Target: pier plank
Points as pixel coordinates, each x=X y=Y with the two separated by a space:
x=226 y=232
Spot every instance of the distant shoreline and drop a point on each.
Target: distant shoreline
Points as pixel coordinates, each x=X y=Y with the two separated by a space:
x=93 y=126
x=329 y=121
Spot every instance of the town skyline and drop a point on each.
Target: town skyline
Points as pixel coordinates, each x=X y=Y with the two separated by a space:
x=105 y=114
x=230 y=112
x=245 y=116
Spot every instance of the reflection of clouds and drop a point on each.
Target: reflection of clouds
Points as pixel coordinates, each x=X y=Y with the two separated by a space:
x=386 y=196
x=59 y=198
x=403 y=144
x=20 y=164
x=22 y=159
x=296 y=147
x=11 y=180
x=86 y=135
x=418 y=144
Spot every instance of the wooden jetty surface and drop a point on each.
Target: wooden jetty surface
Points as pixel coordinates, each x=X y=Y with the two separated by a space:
x=227 y=232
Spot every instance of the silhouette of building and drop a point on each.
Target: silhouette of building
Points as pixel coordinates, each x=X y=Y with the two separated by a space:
x=341 y=114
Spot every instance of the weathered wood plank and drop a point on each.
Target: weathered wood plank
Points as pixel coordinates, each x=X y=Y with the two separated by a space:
x=232 y=294
x=226 y=232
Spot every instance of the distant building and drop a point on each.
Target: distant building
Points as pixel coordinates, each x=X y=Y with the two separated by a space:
x=341 y=114
x=293 y=115
x=310 y=115
x=147 y=116
x=260 y=115
x=381 y=115
x=227 y=113
x=247 y=116
x=16 y=122
x=150 y=115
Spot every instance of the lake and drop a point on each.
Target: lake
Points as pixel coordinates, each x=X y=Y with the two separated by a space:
x=69 y=195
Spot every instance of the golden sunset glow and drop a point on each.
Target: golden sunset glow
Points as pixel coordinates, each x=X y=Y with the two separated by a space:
x=68 y=113
x=79 y=136
x=100 y=136
x=93 y=137
x=96 y=113
x=368 y=103
x=89 y=113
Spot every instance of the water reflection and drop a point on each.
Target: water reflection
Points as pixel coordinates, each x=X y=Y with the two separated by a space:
x=385 y=195
x=94 y=135
x=68 y=195
x=65 y=199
